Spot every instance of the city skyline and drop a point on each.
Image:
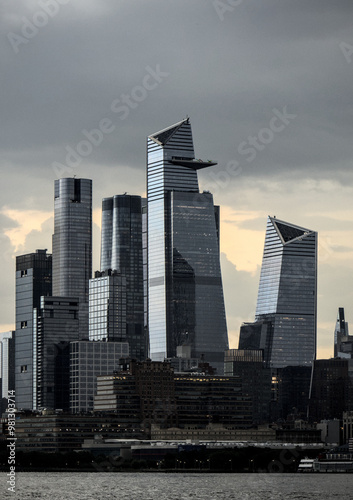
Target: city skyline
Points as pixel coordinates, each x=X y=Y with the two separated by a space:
x=268 y=88
x=234 y=335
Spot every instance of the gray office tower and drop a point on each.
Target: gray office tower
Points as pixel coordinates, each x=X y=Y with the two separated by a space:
x=287 y=298
x=121 y=252
x=72 y=243
x=185 y=294
x=33 y=280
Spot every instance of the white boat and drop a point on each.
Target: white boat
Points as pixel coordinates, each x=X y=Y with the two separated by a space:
x=306 y=465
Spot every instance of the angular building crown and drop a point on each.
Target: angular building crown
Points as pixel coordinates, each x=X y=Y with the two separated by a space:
x=163 y=136
x=289 y=232
x=288 y=293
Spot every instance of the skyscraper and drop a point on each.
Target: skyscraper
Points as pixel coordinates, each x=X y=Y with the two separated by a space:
x=107 y=306
x=57 y=326
x=288 y=294
x=343 y=346
x=33 y=280
x=121 y=252
x=72 y=242
x=185 y=295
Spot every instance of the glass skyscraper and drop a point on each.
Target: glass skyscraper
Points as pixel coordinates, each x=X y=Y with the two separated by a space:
x=72 y=242
x=57 y=326
x=121 y=252
x=287 y=295
x=185 y=294
x=107 y=307
x=33 y=280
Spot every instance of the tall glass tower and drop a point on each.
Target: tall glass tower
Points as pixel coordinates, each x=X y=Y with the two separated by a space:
x=288 y=293
x=72 y=243
x=121 y=252
x=185 y=294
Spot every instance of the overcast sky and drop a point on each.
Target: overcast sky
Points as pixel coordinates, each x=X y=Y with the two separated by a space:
x=267 y=86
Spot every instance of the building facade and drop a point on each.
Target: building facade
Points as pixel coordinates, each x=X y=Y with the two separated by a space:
x=121 y=251
x=72 y=243
x=87 y=361
x=185 y=295
x=332 y=389
x=33 y=280
x=158 y=396
x=107 y=307
x=288 y=294
x=249 y=366
x=58 y=325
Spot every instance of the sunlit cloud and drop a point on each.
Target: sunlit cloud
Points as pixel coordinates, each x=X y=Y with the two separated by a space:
x=27 y=221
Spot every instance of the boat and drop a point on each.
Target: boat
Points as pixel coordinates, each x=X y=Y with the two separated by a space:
x=327 y=462
x=306 y=465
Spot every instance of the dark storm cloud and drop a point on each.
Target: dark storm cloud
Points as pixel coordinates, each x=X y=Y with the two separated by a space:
x=227 y=75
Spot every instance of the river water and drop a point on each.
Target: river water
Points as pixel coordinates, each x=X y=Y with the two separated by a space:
x=163 y=486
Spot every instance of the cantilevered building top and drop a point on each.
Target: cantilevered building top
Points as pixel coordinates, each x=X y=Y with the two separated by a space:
x=183 y=134
x=185 y=295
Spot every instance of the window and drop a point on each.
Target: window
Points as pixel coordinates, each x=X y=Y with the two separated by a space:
x=24 y=273
x=23 y=368
x=23 y=324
